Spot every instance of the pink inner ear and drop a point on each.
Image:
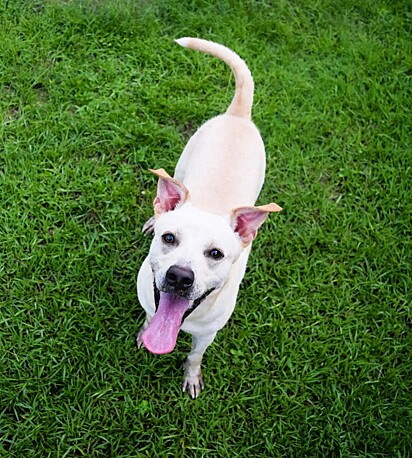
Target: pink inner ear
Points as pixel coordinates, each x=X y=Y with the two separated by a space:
x=170 y=195
x=247 y=223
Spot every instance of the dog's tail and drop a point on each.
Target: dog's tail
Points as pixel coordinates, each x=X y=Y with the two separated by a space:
x=241 y=104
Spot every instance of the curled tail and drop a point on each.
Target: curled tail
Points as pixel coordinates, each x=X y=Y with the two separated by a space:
x=241 y=104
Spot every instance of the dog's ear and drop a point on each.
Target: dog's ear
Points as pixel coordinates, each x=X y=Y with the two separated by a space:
x=246 y=221
x=170 y=193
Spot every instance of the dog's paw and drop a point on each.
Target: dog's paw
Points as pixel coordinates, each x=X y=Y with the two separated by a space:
x=148 y=226
x=139 y=343
x=193 y=384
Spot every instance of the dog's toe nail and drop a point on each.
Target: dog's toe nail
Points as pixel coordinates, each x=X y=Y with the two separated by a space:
x=193 y=386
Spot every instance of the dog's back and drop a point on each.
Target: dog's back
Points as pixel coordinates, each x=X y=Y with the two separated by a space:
x=223 y=164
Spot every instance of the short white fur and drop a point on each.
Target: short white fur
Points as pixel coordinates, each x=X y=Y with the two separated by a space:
x=218 y=179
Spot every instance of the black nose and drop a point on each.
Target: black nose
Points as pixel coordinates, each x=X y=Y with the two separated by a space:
x=180 y=278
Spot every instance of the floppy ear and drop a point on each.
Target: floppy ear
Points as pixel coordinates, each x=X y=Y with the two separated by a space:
x=171 y=193
x=246 y=221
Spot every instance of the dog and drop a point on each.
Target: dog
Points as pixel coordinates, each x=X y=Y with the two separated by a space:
x=204 y=224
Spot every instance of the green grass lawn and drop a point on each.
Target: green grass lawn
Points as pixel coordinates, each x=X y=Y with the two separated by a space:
x=316 y=360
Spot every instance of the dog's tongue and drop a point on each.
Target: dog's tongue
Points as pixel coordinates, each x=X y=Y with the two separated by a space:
x=161 y=334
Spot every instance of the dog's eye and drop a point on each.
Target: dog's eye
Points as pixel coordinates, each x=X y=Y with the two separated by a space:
x=168 y=238
x=215 y=254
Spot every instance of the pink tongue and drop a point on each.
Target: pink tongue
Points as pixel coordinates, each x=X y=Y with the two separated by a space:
x=161 y=334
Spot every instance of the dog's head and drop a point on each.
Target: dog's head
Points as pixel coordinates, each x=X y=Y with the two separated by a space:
x=191 y=256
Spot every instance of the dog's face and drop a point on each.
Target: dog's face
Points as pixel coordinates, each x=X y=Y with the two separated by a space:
x=191 y=256
x=192 y=252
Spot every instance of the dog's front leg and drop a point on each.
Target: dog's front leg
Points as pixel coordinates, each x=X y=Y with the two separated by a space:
x=139 y=342
x=193 y=380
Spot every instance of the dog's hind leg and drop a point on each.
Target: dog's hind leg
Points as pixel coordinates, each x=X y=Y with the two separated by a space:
x=148 y=226
x=193 y=380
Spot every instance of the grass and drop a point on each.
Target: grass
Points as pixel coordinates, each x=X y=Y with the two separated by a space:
x=316 y=360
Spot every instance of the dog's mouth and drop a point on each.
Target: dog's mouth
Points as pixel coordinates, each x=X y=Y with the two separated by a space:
x=171 y=310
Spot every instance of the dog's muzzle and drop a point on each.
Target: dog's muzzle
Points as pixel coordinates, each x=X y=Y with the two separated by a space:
x=171 y=310
x=179 y=281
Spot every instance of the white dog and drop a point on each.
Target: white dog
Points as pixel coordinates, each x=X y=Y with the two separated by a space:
x=204 y=223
